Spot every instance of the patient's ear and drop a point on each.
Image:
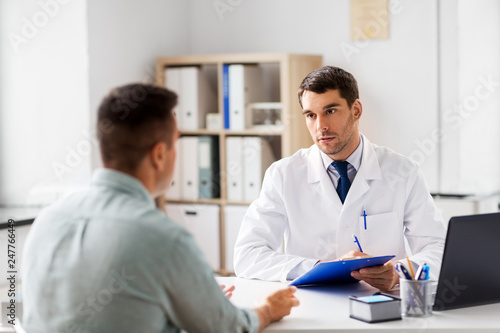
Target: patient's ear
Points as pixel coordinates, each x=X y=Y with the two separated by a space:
x=158 y=155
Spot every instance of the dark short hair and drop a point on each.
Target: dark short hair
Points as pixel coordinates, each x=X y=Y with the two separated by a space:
x=131 y=120
x=330 y=77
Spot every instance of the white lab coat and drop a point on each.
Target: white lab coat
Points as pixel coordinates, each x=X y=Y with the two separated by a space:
x=298 y=205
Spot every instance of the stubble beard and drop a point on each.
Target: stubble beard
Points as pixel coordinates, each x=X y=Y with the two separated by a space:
x=341 y=145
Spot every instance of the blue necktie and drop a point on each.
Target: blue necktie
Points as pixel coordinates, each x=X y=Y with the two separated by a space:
x=344 y=182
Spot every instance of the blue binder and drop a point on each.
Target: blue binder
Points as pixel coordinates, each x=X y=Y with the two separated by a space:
x=225 y=94
x=337 y=271
x=208 y=167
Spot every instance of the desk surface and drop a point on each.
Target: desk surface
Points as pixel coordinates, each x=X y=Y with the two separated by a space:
x=326 y=309
x=22 y=215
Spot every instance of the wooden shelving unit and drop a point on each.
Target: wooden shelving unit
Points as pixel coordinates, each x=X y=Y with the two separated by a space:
x=293 y=134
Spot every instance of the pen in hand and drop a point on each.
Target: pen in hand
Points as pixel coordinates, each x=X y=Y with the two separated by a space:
x=357 y=242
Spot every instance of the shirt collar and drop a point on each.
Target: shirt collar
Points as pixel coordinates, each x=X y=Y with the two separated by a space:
x=121 y=182
x=354 y=159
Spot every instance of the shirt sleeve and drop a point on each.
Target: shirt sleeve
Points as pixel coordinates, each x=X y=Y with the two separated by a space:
x=301 y=268
x=424 y=227
x=196 y=301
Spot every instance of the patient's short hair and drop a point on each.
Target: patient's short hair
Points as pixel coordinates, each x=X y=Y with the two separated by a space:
x=131 y=120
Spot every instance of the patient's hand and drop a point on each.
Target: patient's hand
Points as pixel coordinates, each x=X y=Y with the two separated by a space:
x=228 y=292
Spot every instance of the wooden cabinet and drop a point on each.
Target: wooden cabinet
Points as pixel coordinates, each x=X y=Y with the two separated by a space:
x=281 y=75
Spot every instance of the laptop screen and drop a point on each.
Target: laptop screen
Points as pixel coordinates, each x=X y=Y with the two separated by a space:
x=470 y=271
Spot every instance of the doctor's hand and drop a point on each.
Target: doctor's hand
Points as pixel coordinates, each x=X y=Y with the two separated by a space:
x=277 y=306
x=383 y=277
x=349 y=255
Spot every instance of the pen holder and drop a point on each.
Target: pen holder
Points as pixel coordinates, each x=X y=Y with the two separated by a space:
x=416 y=298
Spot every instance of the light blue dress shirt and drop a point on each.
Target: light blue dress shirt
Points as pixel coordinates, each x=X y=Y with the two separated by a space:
x=106 y=260
x=354 y=161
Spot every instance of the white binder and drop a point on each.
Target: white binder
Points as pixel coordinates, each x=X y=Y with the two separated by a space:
x=245 y=86
x=257 y=157
x=196 y=97
x=173 y=82
x=201 y=221
x=234 y=168
x=175 y=192
x=190 y=98
x=189 y=165
x=234 y=216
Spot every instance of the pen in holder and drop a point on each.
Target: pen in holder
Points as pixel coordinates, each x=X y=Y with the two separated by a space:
x=416 y=297
x=415 y=290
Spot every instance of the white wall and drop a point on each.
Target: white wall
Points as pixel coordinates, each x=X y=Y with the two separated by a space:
x=397 y=77
x=44 y=98
x=480 y=51
x=431 y=62
x=471 y=113
x=125 y=37
x=51 y=87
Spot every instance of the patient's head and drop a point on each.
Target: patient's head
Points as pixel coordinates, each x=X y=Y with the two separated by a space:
x=131 y=120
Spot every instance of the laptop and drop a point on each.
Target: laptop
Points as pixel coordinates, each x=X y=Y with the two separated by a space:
x=470 y=270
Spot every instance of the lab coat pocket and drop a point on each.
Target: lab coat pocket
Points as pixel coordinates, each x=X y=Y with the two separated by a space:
x=382 y=234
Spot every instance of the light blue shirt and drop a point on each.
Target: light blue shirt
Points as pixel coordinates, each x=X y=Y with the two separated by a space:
x=106 y=260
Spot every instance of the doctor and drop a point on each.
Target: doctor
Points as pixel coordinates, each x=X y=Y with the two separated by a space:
x=312 y=202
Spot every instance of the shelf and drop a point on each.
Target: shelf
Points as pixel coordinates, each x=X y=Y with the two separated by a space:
x=199 y=132
x=248 y=132
x=209 y=201
x=242 y=58
x=236 y=203
x=282 y=74
x=254 y=132
x=198 y=201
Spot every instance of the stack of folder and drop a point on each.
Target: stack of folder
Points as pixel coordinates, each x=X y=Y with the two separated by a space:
x=196 y=96
x=196 y=172
x=247 y=159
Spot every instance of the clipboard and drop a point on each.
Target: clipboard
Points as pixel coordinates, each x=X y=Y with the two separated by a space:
x=337 y=271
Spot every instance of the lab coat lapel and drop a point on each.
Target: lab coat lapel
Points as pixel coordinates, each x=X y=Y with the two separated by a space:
x=369 y=170
x=318 y=177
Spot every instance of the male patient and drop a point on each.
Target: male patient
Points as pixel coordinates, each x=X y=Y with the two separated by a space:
x=106 y=260
x=343 y=185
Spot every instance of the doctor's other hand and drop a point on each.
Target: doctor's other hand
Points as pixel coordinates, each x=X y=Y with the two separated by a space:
x=383 y=277
x=277 y=305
